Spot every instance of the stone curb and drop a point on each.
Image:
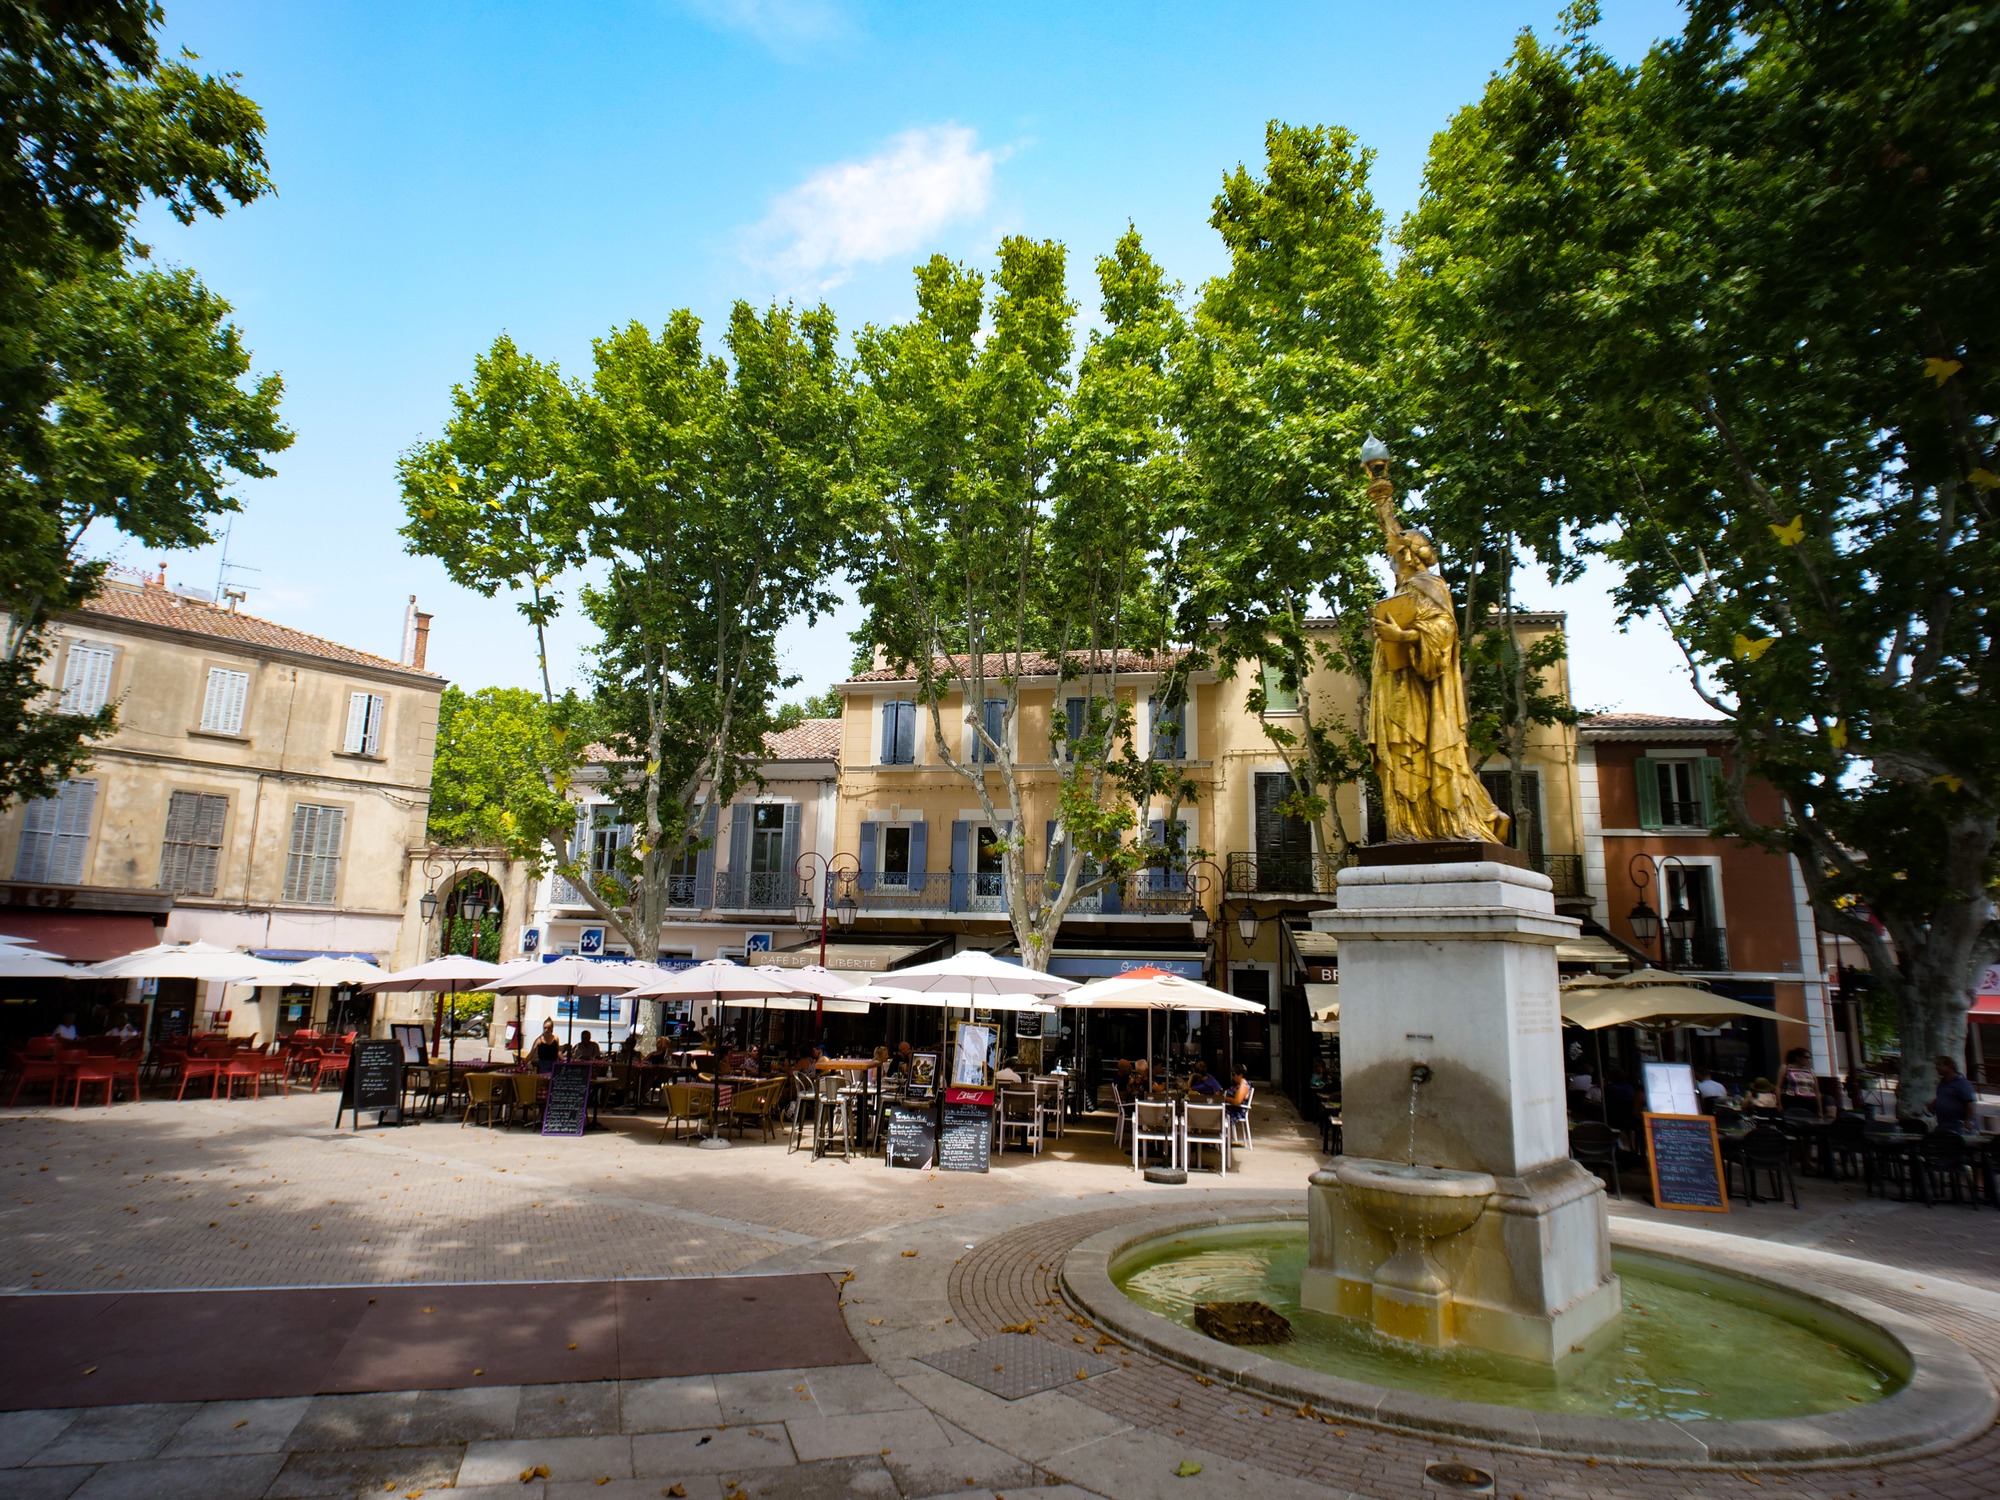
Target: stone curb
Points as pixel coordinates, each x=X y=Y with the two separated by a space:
x=1946 y=1399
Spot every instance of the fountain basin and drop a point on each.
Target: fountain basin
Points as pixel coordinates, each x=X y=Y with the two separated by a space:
x=1939 y=1396
x=1429 y=1203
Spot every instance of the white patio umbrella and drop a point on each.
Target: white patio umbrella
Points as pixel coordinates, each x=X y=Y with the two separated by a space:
x=201 y=961
x=17 y=963
x=454 y=974
x=975 y=972
x=11 y=944
x=720 y=981
x=570 y=976
x=1150 y=989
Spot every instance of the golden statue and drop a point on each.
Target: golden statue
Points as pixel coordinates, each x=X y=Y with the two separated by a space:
x=1416 y=706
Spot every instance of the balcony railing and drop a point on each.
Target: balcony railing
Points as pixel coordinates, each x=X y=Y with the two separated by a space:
x=755 y=890
x=1707 y=949
x=1565 y=872
x=684 y=893
x=1286 y=874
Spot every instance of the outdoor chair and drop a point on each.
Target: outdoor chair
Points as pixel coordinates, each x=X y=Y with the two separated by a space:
x=1021 y=1110
x=1886 y=1159
x=805 y=1091
x=101 y=1046
x=1122 y=1105
x=1596 y=1145
x=275 y=1068
x=250 y=1070
x=756 y=1106
x=1153 y=1124
x=483 y=1092
x=1944 y=1163
x=687 y=1103
x=1847 y=1146
x=1768 y=1150
x=331 y=1065
x=1205 y=1125
x=193 y=1068
x=1330 y=1141
x=91 y=1073
x=1050 y=1092
x=1239 y=1117
x=527 y=1101
x=31 y=1072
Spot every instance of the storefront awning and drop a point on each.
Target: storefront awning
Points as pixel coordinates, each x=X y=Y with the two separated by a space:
x=1099 y=963
x=81 y=936
x=1312 y=945
x=1592 y=951
x=864 y=958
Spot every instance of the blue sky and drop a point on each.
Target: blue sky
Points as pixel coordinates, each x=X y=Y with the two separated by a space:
x=449 y=170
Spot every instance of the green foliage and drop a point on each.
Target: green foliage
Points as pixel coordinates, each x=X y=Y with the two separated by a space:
x=504 y=759
x=827 y=705
x=708 y=494
x=1742 y=294
x=1278 y=384
x=122 y=389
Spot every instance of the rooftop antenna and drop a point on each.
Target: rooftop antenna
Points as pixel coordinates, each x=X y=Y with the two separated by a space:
x=225 y=567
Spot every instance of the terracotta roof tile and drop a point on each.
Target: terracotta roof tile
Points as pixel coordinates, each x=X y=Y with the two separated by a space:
x=1665 y=726
x=809 y=739
x=164 y=608
x=1034 y=664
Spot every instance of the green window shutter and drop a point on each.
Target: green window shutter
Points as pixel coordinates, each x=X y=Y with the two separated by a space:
x=1711 y=790
x=1646 y=771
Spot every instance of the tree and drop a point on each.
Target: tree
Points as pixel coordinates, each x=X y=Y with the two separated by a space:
x=1279 y=384
x=490 y=783
x=826 y=705
x=1748 y=280
x=1008 y=535
x=707 y=494
x=121 y=390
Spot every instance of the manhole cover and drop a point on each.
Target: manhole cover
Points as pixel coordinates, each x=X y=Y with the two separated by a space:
x=1013 y=1365
x=1459 y=1479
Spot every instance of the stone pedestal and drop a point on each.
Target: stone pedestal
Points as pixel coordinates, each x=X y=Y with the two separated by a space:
x=1452 y=965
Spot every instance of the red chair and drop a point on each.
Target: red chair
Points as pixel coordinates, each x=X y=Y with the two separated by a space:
x=101 y=1046
x=275 y=1067
x=30 y=1070
x=40 y=1046
x=201 y=1067
x=331 y=1065
x=96 y=1070
x=250 y=1069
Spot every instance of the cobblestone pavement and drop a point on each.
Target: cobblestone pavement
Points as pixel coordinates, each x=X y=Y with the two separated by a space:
x=204 y=1194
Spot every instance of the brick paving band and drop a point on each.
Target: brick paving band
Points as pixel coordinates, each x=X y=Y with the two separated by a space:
x=1013 y=1279
x=107 y=1349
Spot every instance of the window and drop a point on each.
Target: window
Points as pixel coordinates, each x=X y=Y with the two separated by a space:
x=87 y=678
x=1677 y=792
x=1169 y=729
x=684 y=874
x=899 y=733
x=1279 y=699
x=1284 y=859
x=364 y=723
x=1705 y=947
x=1076 y=714
x=996 y=729
x=1525 y=833
x=986 y=861
x=312 y=864
x=896 y=854
x=55 y=835
x=191 y=853
x=222 y=704
x=767 y=838
x=607 y=836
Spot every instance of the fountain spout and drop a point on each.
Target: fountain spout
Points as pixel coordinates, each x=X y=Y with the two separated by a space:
x=1420 y=1073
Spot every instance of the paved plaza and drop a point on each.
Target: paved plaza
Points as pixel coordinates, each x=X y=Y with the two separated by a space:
x=931 y=1272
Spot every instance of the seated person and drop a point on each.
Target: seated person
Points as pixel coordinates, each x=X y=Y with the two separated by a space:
x=586 y=1050
x=1707 y=1092
x=659 y=1054
x=899 y=1066
x=1236 y=1098
x=1204 y=1083
x=1954 y=1106
x=1142 y=1078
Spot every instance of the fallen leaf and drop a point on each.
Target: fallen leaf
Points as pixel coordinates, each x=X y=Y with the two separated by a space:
x=479 y=1372
x=1027 y=1327
x=244 y=1423
x=527 y=1475
x=430 y=1309
x=572 y=1343
x=909 y=1254
x=874 y=1322
x=541 y=1471
x=92 y=1370
x=1188 y=1469
x=605 y=1479
x=674 y=1492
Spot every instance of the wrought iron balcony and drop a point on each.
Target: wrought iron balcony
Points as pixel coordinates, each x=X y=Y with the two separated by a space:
x=1286 y=874
x=1565 y=872
x=755 y=890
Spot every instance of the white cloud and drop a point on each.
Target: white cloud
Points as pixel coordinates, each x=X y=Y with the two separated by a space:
x=892 y=203
x=782 y=25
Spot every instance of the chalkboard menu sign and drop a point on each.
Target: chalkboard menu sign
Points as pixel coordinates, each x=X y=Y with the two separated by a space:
x=1687 y=1163
x=966 y=1142
x=912 y=1136
x=374 y=1081
x=566 y=1109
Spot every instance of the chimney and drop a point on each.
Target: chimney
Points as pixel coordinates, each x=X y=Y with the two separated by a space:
x=422 y=640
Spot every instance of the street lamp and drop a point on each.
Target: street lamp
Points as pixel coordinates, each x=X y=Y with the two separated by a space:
x=428 y=905
x=1646 y=925
x=1246 y=926
x=830 y=866
x=1197 y=916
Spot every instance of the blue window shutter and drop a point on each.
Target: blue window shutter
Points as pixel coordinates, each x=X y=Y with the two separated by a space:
x=1073 y=715
x=1646 y=774
x=919 y=852
x=868 y=866
x=704 y=863
x=1157 y=875
x=1054 y=855
x=1111 y=900
x=961 y=865
x=741 y=817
